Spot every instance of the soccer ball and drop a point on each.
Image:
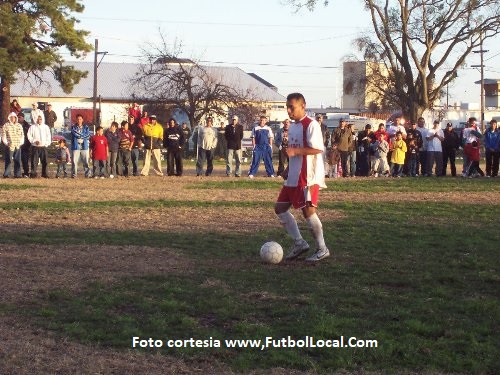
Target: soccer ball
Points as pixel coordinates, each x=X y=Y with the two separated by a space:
x=271 y=252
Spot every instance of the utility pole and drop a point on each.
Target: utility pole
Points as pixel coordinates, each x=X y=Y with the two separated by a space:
x=481 y=51
x=96 y=65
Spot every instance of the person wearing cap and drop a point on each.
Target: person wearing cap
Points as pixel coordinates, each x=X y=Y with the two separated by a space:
x=233 y=134
x=13 y=139
x=434 y=149
x=262 y=142
x=365 y=139
x=492 y=148
x=451 y=144
x=40 y=138
x=25 y=148
x=50 y=118
x=35 y=112
x=153 y=142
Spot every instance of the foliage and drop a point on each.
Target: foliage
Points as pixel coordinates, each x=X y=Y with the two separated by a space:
x=32 y=34
x=420 y=45
x=164 y=77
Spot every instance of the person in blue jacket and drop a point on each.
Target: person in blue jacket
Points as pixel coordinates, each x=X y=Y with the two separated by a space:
x=80 y=135
x=492 y=148
x=262 y=141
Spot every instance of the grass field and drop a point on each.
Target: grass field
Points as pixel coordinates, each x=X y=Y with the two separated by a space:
x=86 y=265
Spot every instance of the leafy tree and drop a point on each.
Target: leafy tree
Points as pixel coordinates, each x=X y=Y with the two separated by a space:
x=184 y=84
x=32 y=33
x=421 y=44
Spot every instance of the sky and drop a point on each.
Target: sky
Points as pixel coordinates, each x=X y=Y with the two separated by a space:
x=295 y=51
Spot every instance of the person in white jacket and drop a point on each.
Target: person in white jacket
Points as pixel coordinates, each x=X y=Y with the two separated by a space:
x=207 y=140
x=35 y=112
x=40 y=138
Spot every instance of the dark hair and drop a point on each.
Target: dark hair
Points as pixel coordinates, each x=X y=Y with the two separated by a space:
x=123 y=123
x=295 y=96
x=61 y=141
x=114 y=123
x=98 y=128
x=399 y=133
x=79 y=115
x=172 y=119
x=472 y=119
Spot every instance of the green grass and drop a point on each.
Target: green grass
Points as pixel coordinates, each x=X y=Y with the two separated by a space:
x=4 y=186
x=420 y=277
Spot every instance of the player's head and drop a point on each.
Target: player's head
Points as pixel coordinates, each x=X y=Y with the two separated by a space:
x=296 y=106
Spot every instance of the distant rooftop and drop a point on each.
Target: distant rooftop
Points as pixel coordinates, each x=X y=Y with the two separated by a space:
x=263 y=81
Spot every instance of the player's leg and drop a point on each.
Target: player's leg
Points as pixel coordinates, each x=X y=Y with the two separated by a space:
x=282 y=210
x=314 y=224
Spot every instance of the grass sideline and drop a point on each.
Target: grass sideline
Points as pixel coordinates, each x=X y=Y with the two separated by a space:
x=421 y=277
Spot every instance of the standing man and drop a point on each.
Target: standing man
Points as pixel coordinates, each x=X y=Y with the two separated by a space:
x=451 y=143
x=326 y=139
x=352 y=150
x=207 y=141
x=187 y=134
x=25 y=148
x=434 y=149
x=304 y=177
x=35 y=112
x=13 y=139
x=469 y=134
x=173 y=141
x=153 y=141
x=342 y=137
x=124 y=150
x=262 y=142
x=113 y=139
x=40 y=138
x=138 y=133
x=50 y=118
x=233 y=135
x=422 y=153
x=221 y=141
x=412 y=133
x=365 y=140
x=281 y=142
x=492 y=147
x=135 y=110
x=80 y=136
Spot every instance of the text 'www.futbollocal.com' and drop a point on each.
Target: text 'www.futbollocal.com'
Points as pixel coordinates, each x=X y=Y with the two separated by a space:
x=308 y=342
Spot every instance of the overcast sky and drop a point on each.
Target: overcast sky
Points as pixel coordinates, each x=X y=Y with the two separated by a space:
x=300 y=51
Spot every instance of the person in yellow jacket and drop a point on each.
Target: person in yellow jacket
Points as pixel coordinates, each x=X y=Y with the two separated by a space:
x=398 y=155
x=153 y=142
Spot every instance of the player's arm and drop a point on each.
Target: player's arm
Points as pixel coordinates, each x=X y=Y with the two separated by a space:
x=296 y=151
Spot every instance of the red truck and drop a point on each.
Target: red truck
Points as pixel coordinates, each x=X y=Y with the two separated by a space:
x=70 y=114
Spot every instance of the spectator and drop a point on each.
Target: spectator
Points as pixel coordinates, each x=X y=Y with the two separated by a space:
x=62 y=158
x=135 y=110
x=25 y=148
x=422 y=153
x=398 y=155
x=381 y=166
x=234 y=135
x=15 y=107
x=281 y=142
x=187 y=134
x=137 y=145
x=144 y=120
x=153 y=141
x=50 y=118
x=221 y=141
x=352 y=150
x=35 y=112
x=80 y=136
x=451 y=143
x=207 y=141
x=326 y=140
x=492 y=148
x=113 y=139
x=13 y=139
x=412 y=155
x=125 y=149
x=412 y=133
x=173 y=141
x=468 y=135
x=342 y=137
x=365 y=139
x=333 y=161
x=262 y=142
x=434 y=150
x=99 y=152
x=40 y=138
x=474 y=156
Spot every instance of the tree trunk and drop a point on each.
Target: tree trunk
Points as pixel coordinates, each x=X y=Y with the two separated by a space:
x=4 y=99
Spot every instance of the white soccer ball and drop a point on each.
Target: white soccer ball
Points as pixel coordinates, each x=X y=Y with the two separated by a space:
x=271 y=252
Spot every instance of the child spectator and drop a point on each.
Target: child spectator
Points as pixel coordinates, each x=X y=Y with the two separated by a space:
x=333 y=161
x=473 y=154
x=412 y=154
x=381 y=147
x=62 y=158
x=99 y=152
x=398 y=155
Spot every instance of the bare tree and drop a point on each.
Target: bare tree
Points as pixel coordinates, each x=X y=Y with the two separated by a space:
x=165 y=78
x=421 y=44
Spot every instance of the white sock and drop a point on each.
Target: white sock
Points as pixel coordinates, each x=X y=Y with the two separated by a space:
x=290 y=224
x=317 y=230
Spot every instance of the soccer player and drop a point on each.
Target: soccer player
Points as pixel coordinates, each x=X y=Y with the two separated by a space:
x=304 y=176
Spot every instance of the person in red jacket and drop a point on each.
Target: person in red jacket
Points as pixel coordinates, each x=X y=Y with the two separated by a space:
x=472 y=151
x=99 y=152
